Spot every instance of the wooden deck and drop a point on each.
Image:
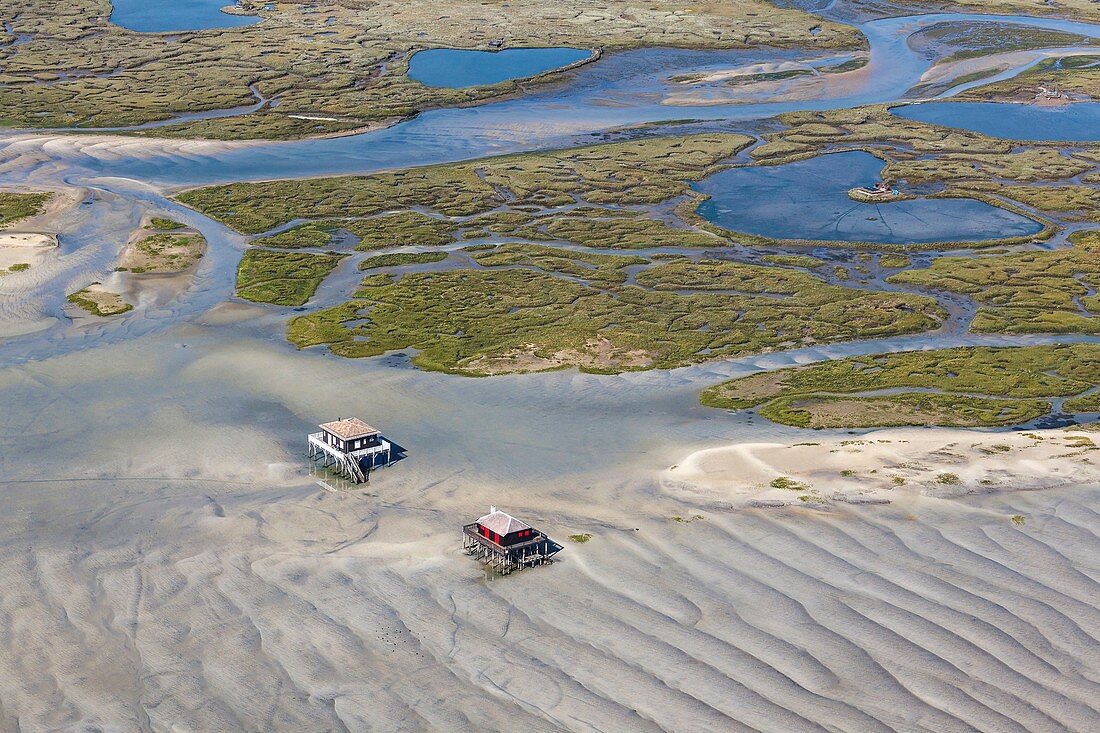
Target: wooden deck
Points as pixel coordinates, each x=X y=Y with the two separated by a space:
x=538 y=550
x=350 y=464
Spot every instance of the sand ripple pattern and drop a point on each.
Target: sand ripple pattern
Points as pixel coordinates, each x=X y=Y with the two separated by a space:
x=143 y=612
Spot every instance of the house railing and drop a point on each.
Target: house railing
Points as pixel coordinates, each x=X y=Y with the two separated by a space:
x=383 y=446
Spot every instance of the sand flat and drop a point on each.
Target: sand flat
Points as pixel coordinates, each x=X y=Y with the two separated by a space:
x=882 y=464
x=179 y=568
x=29 y=248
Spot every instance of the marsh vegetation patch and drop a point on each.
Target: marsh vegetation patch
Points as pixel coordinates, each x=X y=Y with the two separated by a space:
x=282 y=278
x=645 y=171
x=965 y=387
x=514 y=318
x=334 y=71
x=1043 y=291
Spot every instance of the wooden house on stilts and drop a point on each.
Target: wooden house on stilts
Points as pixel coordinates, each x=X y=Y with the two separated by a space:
x=349 y=447
x=505 y=543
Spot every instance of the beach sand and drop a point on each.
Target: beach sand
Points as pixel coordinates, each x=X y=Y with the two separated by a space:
x=881 y=465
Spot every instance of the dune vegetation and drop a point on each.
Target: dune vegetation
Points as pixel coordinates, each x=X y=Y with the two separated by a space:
x=16 y=206
x=169 y=250
x=100 y=302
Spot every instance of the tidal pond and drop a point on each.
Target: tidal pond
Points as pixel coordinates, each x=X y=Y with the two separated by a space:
x=809 y=200
x=456 y=68
x=169 y=16
x=1079 y=121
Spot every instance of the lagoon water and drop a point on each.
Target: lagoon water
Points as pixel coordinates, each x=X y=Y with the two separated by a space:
x=1073 y=122
x=167 y=16
x=456 y=68
x=809 y=200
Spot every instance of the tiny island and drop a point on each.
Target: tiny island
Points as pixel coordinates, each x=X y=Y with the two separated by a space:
x=880 y=192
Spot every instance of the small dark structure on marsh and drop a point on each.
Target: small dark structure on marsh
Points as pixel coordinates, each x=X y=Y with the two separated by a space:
x=505 y=543
x=350 y=447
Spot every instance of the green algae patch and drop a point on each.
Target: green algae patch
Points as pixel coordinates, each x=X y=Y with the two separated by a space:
x=282 y=278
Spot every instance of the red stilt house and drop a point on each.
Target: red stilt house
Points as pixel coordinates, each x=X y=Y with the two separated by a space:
x=505 y=543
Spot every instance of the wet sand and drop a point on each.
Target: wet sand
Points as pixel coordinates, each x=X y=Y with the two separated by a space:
x=174 y=566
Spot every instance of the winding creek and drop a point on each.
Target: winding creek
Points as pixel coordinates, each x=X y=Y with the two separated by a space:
x=128 y=177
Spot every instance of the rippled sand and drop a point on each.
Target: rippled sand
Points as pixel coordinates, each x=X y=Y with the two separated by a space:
x=175 y=568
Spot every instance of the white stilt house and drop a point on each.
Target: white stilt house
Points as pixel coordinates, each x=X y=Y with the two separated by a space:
x=350 y=447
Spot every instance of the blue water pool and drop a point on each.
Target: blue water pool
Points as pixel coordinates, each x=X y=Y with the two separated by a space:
x=1072 y=122
x=449 y=67
x=167 y=16
x=809 y=200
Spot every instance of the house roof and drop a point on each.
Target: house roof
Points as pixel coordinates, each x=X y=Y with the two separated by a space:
x=349 y=428
x=501 y=523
